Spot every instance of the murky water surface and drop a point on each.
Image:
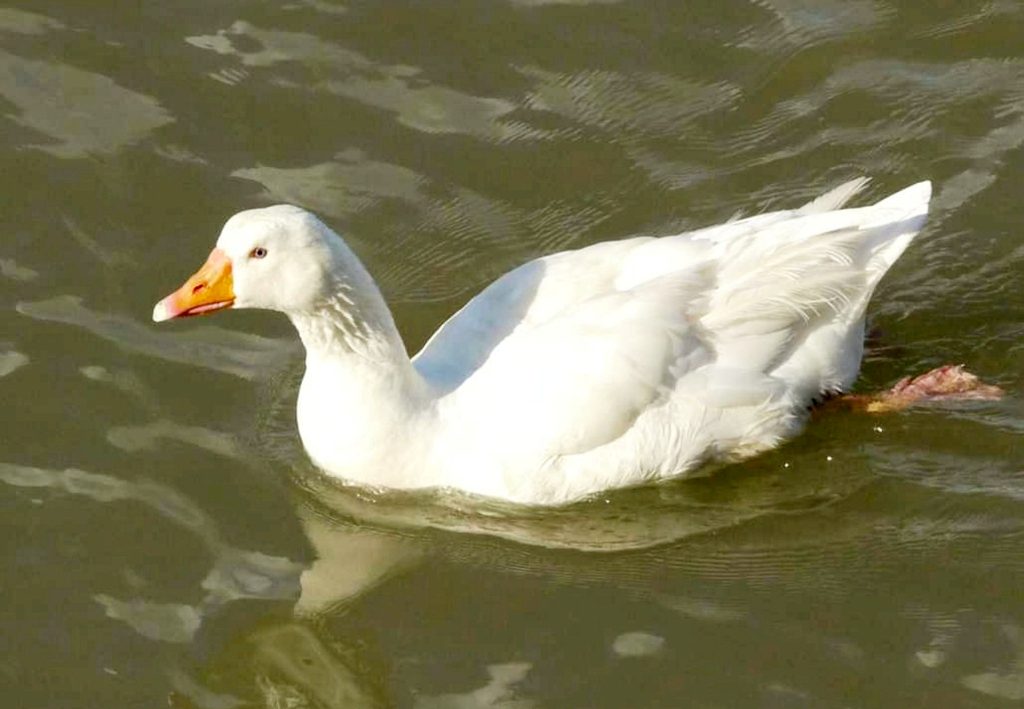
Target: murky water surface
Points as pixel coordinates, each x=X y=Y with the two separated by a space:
x=165 y=541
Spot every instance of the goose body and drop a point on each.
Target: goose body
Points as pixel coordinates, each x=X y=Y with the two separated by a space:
x=616 y=364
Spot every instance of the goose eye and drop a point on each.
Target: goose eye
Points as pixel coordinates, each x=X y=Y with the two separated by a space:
x=258 y=252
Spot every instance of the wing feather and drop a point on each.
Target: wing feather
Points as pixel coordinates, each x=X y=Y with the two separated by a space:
x=534 y=293
x=580 y=380
x=572 y=348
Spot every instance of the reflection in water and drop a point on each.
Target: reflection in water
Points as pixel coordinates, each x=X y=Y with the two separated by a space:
x=77 y=113
x=328 y=7
x=1008 y=684
x=496 y=694
x=349 y=185
x=980 y=14
x=294 y=667
x=138 y=437
x=287 y=660
x=399 y=89
x=804 y=554
x=636 y=518
x=22 y=22
x=9 y=268
x=350 y=561
x=537 y=3
x=126 y=381
x=294 y=663
x=702 y=609
x=650 y=104
x=807 y=22
x=246 y=356
x=955 y=473
x=282 y=665
x=167 y=622
x=904 y=88
x=235 y=573
x=10 y=360
x=637 y=644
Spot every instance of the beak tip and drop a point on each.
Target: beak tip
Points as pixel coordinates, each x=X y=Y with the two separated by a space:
x=161 y=312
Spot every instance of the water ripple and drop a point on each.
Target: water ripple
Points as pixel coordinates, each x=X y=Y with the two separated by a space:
x=807 y=22
x=11 y=360
x=9 y=268
x=647 y=103
x=78 y=113
x=22 y=22
x=399 y=89
x=138 y=437
x=453 y=230
x=964 y=23
x=344 y=187
x=246 y=356
x=235 y=573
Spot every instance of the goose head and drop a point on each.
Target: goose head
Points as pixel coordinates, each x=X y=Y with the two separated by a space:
x=277 y=258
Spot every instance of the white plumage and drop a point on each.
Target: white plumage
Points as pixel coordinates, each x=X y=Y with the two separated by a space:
x=613 y=365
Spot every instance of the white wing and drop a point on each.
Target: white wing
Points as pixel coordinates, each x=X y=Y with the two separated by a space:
x=539 y=290
x=563 y=355
x=523 y=298
x=582 y=378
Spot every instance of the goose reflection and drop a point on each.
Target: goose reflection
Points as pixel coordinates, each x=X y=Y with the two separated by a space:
x=283 y=631
x=288 y=659
x=272 y=659
x=361 y=539
x=270 y=630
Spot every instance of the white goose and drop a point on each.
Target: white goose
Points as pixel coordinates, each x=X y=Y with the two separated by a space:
x=612 y=365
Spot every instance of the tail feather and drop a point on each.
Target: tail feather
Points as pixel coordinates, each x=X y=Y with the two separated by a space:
x=815 y=270
x=835 y=198
x=898 y=218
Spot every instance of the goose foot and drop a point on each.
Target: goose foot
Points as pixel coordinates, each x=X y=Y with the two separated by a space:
x=950 y=382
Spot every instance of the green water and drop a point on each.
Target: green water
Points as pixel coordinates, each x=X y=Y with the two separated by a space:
x=165 y=541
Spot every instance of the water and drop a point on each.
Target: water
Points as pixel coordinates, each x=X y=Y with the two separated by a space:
x=164 y=540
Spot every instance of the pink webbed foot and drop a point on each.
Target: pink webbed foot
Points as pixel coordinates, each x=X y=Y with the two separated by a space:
x=950 y=382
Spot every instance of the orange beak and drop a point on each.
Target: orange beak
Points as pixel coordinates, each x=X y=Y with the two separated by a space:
x=210 y=289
